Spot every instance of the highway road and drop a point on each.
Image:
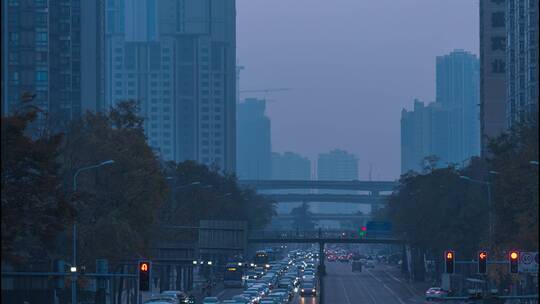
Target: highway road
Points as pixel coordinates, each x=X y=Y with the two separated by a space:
x=371 y=286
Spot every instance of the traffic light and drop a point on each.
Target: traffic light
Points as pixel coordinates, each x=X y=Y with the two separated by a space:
x=144 y=275
x=449 y=261
x=363 y=231
x=514 y=260
x=482 y=262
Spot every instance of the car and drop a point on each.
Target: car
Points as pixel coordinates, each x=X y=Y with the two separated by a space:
x=280 y=297
x=308 y=289
x=253 y=295
x=370 y=264
x=268 y=301
x=288 y=292
x=180 y=296
x=160 y=299
x=241 y=299
x=229 y=302
x=210 y=300
x=435 y=293
x=308 y=278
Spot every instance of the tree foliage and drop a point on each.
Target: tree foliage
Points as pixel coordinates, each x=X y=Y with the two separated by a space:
x=516 y=187
x=303 y=218
x=116 y=204
x=438 y=210
x=34 y=207
x=203 y=193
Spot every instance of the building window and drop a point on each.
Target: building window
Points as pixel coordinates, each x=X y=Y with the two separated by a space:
x=497 y=44
x=498 y=66
x=497 y=19
x=13 y=37
x=42 y=76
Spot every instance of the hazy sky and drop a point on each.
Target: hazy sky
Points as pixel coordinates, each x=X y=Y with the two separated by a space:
x=352 y=66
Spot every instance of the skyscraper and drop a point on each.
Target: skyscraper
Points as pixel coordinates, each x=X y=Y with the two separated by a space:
x=337 y=165
x=424 y=132
x=458 y=92
x=415 y=137
x=177 y=59
x=492 y=70
x=253 y=140
x=522 y=60
x=43 y=46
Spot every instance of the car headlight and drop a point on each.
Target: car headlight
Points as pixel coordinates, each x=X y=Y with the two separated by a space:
x=302 y=289
x=313 y=290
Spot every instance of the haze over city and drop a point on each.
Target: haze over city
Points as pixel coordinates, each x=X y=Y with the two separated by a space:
x=352 y=66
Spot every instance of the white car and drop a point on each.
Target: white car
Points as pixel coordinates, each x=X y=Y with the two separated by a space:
x=435 y=293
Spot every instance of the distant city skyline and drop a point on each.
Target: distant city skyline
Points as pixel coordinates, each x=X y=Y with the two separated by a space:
x=336 y=100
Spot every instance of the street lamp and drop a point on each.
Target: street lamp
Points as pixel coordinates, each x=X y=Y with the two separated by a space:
x=73 y=268
x=107 y=162
x=490 y=216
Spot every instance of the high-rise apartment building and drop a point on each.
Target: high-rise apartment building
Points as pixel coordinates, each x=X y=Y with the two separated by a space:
x=337 y=165
x=52 y=49
x=521 y=60
x=253 y=140
x=290 y=166
x=177 y=59
x=424 y=132
x=458 y=92
x=449 y=128
x=492 y=70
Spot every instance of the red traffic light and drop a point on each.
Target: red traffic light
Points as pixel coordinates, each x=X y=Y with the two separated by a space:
x=514 y=255
x=482 y=255
x=364 y=228
x=144 y=266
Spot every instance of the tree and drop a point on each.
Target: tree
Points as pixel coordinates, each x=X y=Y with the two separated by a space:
x=116 y=205
x=515 y=186
x=437 y=211
x=303 y=217
x=203 y=193
x=34 y=207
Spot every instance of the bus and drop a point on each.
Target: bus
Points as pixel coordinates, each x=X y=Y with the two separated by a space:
x=234 y=275
x=261 y=259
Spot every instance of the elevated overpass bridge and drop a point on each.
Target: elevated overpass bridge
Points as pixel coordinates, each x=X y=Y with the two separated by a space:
x=373 y=187
x=326 y=216
x=325 y=197
x=378 y=190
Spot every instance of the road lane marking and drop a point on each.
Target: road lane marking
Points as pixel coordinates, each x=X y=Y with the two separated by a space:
x=366 y=288
x=393 y=277
x=345 y=291
x=388 y=288
x=221 y=293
